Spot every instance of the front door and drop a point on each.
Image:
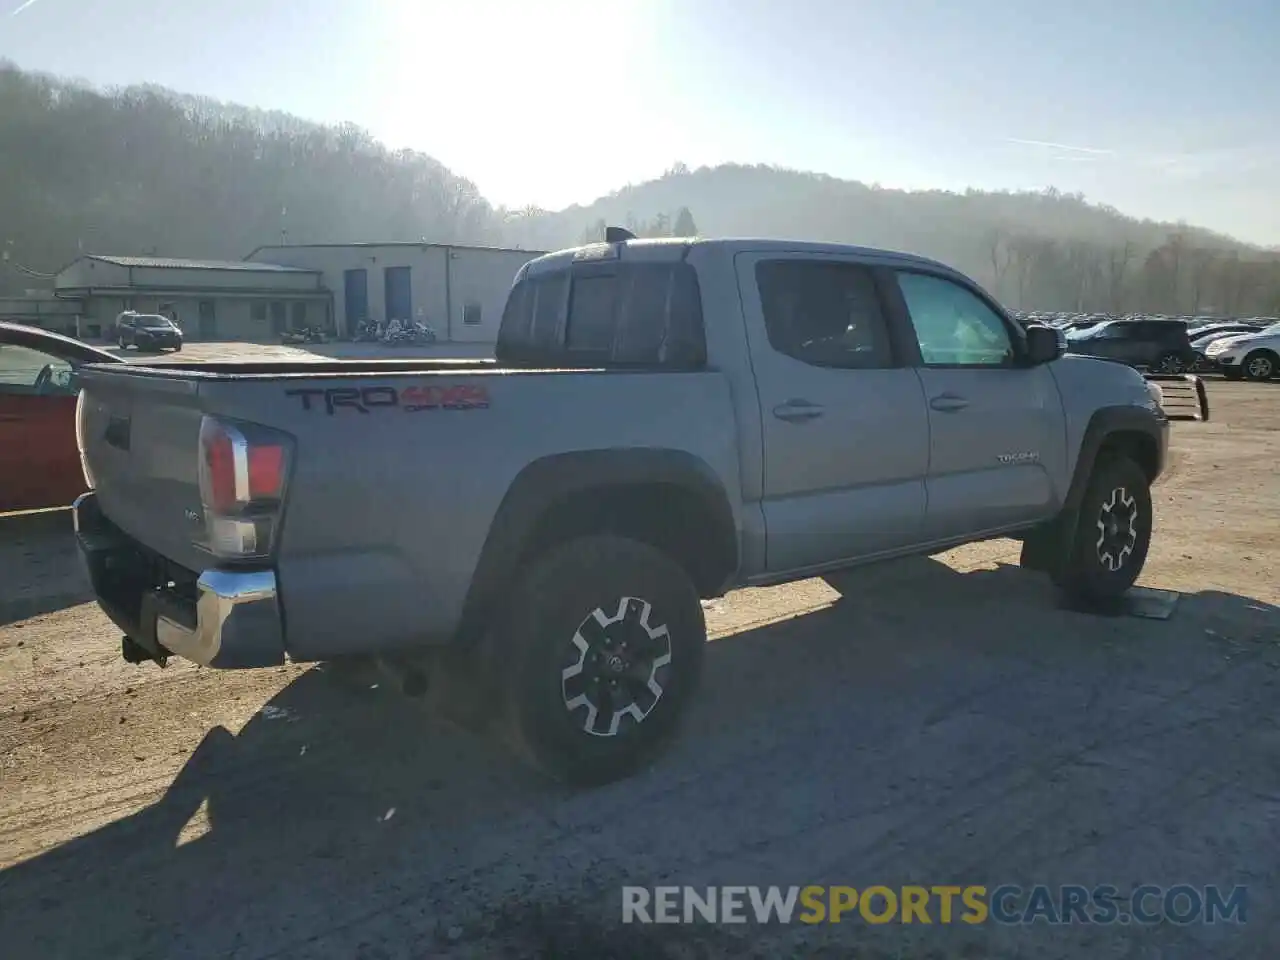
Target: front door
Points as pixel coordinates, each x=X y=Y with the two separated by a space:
x=39 y=461
x=845 y=433
x=208 y=321
x=997 y=433
x=1118 y=340
x=398 y=293
x=355 y=298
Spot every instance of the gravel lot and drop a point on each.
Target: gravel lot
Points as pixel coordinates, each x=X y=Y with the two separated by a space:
x=933 y=721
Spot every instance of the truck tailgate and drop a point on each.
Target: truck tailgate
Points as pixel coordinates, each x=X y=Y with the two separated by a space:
x=139 y=437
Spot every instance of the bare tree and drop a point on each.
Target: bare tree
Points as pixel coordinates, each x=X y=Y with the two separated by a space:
x=1000 y=255
x=1201 y=265
x=1118 y=260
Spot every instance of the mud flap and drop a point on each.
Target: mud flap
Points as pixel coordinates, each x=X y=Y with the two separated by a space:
x=1044 y=549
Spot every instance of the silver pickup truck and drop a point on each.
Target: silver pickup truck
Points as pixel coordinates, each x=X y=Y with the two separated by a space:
x=664 y=421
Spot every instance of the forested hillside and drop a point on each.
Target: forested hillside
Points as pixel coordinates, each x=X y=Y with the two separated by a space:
x=144 y=170
x=147 y=170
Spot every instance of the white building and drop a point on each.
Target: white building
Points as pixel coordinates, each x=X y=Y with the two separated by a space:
x=457 y=290
x=210 y=299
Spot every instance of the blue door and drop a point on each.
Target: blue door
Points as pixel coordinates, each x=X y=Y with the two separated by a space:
x=355 y=288
x=399 y=293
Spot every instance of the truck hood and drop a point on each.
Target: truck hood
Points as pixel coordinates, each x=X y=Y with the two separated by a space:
x=1092 y=363
x=1086 y=384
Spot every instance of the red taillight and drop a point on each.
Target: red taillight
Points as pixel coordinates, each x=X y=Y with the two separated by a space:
x=243 y=472
x=220 y=469
x=266 y=472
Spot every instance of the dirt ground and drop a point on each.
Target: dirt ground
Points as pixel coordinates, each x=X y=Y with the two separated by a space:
x=934 y=721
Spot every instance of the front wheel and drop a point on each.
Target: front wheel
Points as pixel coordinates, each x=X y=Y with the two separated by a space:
x=1112 y=535
x=601 y=651
x=1260 y=365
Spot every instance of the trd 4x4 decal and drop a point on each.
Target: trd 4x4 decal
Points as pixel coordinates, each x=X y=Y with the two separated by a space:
x=458 y=396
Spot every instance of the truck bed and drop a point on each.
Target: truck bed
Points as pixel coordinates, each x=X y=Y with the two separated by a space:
x=260 y=368
x=398 y=468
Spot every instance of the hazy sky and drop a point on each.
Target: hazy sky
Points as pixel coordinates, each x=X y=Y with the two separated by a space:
x=1164 y=108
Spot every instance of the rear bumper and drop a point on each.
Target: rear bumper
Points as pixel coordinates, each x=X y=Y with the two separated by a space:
x=227 y=619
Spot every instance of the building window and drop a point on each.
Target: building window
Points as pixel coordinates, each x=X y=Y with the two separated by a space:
x=258 y=311
x=299 y=319
x=471 y=314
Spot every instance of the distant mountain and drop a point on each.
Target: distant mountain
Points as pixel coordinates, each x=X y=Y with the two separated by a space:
x=1034 y=249
x=146 y=170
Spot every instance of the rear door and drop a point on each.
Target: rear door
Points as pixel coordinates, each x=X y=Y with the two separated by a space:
x=996 y=427
x=845 y=431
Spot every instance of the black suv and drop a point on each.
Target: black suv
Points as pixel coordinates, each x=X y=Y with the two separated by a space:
x=1159 y=345
x=147 y=331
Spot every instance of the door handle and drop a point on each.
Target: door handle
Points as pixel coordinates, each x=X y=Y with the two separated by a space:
x=796 y=411
x=948 y=403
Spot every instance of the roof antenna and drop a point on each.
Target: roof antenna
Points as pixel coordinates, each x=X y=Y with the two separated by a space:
x=617 y=235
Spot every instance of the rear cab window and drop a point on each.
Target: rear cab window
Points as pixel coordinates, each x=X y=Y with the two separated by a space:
x=614 y=312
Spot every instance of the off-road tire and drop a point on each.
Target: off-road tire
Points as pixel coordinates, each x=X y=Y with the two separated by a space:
x=1260 y=365
x=1102 y=559
x=562 y=598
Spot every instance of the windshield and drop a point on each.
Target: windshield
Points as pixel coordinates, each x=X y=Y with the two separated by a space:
x=155 y=323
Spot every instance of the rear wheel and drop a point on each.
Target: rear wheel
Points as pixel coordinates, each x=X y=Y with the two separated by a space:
x=1260 y=365
x=1112 y=535
x=1170 y=363
x=602 y=650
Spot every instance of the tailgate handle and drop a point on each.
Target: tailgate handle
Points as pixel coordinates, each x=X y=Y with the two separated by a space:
x=117 y=433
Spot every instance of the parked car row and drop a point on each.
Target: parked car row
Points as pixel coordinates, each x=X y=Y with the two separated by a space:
x=1239 y=349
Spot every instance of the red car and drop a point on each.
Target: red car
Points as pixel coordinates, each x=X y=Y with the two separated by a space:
x=39 y=460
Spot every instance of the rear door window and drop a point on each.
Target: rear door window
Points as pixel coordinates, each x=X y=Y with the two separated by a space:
x=824 y=313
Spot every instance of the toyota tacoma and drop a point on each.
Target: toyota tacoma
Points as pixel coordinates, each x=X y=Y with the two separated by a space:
x=663 y=421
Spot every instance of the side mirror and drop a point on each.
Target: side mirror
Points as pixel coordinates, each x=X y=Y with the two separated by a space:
x=1044 y=344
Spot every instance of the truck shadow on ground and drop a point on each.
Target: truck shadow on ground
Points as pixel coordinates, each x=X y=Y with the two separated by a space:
x=349 y=823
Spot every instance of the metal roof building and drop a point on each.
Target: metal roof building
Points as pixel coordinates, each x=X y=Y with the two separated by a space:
x=209 y=299
x=458 y=290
